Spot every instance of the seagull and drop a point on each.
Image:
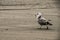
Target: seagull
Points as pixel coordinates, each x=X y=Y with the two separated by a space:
x=42 y=21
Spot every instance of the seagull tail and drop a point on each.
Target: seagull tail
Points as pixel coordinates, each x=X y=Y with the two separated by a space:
x=49 y=23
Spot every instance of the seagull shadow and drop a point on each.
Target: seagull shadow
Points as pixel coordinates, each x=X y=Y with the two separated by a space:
x=45 y=29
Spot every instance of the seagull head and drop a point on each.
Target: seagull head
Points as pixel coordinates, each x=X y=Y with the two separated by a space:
x=39 y=15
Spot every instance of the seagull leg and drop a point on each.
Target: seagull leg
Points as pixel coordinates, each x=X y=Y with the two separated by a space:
x=41 y=26
x=47 y=27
